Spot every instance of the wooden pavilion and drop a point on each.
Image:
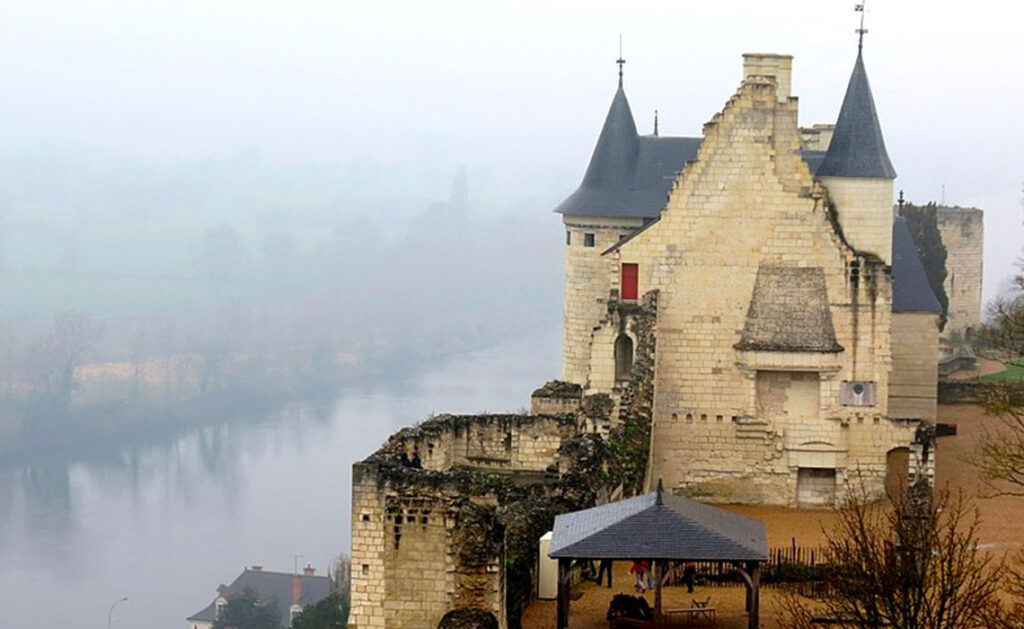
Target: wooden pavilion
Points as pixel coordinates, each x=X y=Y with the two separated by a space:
x=660 y=527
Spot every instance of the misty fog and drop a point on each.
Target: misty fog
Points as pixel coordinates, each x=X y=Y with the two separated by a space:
x=238 y=236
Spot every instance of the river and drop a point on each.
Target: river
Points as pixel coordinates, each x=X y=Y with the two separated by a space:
x=164 y=524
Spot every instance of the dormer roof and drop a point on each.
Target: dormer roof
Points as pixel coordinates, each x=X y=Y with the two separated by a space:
x=857 y=148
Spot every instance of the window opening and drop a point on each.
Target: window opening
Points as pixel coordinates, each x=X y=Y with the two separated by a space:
x=623 y=357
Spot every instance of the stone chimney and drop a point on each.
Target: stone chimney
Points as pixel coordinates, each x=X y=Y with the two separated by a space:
x=296 y=588
x=779 y=67
x=308 y=571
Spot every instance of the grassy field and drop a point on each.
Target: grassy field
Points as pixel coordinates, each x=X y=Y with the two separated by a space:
x=1013 y=371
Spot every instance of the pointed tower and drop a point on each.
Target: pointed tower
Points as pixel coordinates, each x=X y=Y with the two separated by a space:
x=624 y=188
x=857 y=171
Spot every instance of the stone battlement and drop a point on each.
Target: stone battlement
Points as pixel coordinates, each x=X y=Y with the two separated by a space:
x=484 y=442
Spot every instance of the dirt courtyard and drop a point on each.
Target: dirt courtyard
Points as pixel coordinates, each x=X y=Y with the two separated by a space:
x=1002 y=530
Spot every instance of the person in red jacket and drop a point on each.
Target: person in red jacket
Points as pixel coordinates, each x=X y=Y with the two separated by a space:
x=641 y=568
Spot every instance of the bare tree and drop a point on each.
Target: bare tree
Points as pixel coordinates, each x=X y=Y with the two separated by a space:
x=1001 y=450
x=911 y=563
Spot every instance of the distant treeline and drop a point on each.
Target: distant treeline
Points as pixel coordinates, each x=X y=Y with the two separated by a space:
x=354 y=308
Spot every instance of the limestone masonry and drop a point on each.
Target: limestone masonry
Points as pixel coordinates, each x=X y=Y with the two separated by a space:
x=963 y=232
x=746 y=320
x=787 y=358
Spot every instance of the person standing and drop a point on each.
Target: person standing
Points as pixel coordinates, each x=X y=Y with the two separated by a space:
x=638 y=570
x=606 y=568
x=689 y=577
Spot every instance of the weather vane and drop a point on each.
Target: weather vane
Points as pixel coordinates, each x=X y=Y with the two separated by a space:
x=620 y=60
x=861 y=32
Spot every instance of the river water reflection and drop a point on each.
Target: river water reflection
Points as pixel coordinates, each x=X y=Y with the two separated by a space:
x=165 y=524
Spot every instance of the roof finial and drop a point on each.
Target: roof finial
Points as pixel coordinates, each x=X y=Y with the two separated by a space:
x=900 y=201
x=655 y=122
x=620 y=60
x=861 y=32
x=661 y=489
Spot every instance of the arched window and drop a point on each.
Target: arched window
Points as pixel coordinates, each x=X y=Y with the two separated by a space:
x=623 y=357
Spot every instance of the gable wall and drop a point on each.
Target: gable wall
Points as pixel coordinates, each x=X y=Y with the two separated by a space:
x=749 y=200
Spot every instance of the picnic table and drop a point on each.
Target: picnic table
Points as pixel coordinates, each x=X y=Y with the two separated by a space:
x=701 y=610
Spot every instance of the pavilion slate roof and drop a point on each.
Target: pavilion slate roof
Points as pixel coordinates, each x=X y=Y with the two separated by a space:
x=645 y=528
x=857 y=148
x=911 y=291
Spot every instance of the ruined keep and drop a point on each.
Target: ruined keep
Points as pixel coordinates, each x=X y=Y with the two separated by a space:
x=963 y=233
x=797 y=336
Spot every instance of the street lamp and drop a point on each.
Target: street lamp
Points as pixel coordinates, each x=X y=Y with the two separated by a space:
x=110 y=614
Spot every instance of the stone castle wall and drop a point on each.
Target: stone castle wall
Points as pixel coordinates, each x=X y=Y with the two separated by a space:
x=587 y=282
x=423 y=540
x=962 y=231
x=747 y=201
x=485 y=442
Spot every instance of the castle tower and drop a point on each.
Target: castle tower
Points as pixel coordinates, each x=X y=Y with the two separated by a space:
x=857 y=171
x=624 y=188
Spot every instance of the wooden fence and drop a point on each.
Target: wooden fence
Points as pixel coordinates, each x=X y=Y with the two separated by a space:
x=786 y=565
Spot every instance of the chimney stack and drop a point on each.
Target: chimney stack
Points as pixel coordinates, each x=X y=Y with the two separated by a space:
x=779 y=67
x=296 y=588
x=309 y=570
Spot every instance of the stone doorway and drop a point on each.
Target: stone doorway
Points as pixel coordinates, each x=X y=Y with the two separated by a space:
x=816 y=487
x=897 y=471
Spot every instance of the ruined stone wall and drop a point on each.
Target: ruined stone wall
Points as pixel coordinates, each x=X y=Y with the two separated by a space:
x=962 y=231
x=747 y=201
x=427 y=541
x=556 y=398
x=486 y=442
x=587 y=277
x=408 y=566
x=915 y=365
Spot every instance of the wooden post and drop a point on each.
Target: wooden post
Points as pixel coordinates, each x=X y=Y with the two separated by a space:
x=659 y=576
x=563 y=592
x=754 y=568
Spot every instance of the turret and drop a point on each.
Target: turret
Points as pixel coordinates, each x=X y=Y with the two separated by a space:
x=624 y=188
x=857 y=171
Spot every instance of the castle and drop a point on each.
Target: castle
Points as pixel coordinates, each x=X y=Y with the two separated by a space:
x=751 y=297
x=796 y=334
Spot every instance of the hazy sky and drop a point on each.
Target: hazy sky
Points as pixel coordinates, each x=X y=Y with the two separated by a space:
x=516 y=88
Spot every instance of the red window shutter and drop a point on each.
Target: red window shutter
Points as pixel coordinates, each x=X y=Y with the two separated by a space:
x=629 y=281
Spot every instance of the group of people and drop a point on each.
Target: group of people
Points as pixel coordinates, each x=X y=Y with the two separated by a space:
x=414 y=462
x=641 y=568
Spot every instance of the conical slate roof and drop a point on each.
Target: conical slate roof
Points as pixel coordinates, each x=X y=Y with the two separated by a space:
x=629 y=175
x=857 y=148
x=614 y=157
x=911 y=291
x=658 y=526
